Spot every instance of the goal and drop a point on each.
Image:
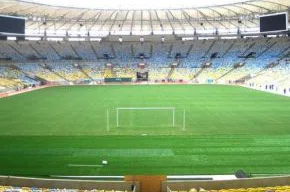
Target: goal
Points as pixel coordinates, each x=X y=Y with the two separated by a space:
x=163 y=114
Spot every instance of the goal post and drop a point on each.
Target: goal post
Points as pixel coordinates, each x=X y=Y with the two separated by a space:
x=119 y=109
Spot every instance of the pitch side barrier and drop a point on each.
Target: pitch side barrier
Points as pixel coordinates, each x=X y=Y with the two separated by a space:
x=129 y=184
x=103 y=184
x=186 y=185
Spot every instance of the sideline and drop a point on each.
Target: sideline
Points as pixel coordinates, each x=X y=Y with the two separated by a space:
x=11 y=93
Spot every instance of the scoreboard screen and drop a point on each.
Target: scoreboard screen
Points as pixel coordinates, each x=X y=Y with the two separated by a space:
x=274 y=22
x=142 y=76
x=9 y=24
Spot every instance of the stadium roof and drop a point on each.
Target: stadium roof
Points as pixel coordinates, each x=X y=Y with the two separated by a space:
x=122 y=21
x=132 y=4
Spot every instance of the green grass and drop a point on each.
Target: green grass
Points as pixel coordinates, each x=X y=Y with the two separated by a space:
x=227 y=128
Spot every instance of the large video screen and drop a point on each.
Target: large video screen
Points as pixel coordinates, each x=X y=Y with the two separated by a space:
x=274 y=22
x=142 y=76
x=12 y=25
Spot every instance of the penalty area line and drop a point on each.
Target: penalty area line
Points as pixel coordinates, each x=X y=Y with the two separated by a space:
x=83 y=165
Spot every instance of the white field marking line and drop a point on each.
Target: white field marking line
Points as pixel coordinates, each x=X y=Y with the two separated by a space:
x=145 y=108
x=82 y=165
x=89 y=177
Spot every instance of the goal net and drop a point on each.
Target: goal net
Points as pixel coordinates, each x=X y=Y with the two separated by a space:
x=145 y=117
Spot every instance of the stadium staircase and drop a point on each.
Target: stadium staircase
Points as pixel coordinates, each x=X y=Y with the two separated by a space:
x=236 y=66
x=75 y=51
x=189 y=50
x=132 y=50
x=259 y=73
x=57 y=53
x=170 y=50
x=267 y=48
x=95 y=52
x=79 y=67
x=243 y=79
x=54 y=72
x=36 y=51
x=203 y=67
x=208 y=50
x=284 y=53
x=197 y=73
x=170 y=72
x=113 y=51
x=281 y=56
x=225 y=74
x=178 y=62
x=244 y=54
x=29 y=76
x=230 y=47
x=108 y=73
x=16 y=50
x=151 y=51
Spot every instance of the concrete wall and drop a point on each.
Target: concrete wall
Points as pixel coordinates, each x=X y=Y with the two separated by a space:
x=127 y=185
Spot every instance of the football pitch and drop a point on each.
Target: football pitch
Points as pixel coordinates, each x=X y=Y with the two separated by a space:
x=207 y=129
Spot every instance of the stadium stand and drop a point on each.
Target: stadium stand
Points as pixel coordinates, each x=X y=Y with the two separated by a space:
x=232 y=60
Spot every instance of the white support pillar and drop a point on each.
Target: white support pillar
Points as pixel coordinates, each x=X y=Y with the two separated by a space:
x=108 y=121
x=117 y=117
x=173 y=117
x=183 y=120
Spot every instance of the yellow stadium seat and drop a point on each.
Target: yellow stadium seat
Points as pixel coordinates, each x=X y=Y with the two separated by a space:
x=200 y=190
x=8 y=188
x=26 y=189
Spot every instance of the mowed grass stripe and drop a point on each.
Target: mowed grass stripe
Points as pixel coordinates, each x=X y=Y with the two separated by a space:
x=214 y=160
x=88 y=152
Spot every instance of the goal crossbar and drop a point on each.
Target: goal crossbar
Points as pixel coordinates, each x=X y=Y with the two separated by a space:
x=146 y=108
